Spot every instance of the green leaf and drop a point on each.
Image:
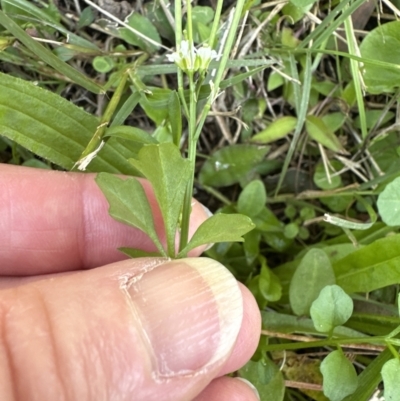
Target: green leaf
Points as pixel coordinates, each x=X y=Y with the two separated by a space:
x=340 y=377
x=321 y=180
x=53 y=127
x=391 y=374
x=156 y=104
x=142 y=25
x=378 y=45
x=370 y=378
x=230 y=164
x=276 y=130
x=303 y=4
x=269 y=284
x=389 y=203
x=47 y=56
x=375 y=266
x=103 y=64
x=130 y=133
x=252 y=199
x=320 y=132
x=220 y=228
x=138 y=253
x=332 y=308
x=168 y=173
x=312 y=274
x=175 y=117
x=267 y=379
x=129 y=204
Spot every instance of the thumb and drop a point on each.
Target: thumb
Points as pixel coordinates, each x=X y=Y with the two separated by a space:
x=145 y=329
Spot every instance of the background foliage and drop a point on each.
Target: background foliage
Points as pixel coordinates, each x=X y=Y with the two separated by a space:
x=303 y=141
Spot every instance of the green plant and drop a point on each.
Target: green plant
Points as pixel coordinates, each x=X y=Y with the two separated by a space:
x=311 y=161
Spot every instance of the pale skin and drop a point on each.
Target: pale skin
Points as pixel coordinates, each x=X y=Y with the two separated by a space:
x=67 y=331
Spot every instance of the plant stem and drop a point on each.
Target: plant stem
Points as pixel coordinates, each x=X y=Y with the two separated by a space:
x=192 y=142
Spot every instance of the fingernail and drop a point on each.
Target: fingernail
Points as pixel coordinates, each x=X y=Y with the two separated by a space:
x=190 y=313
x=251 y=385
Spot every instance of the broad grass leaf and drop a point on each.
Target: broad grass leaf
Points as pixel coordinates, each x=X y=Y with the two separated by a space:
x=266 y=377
x=389 y=203
x=391 y=383
x=168 y=173
x=332 y=308
x=320 y=132
x=129 y=204
x=252 y=199
x=54 y=128
x=375 y=266
x=143 y=25
x=230 y=164
x=220 y=228
x=340 y=376
x=131 y=134
x=312 y=274
x=276 y=130
x=379 y=45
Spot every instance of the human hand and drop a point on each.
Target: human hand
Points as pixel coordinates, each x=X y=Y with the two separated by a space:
x=143 y=329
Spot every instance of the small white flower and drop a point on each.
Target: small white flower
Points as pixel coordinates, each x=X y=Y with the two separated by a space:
x=190 y=59
x=185 y=57
x=204 y=56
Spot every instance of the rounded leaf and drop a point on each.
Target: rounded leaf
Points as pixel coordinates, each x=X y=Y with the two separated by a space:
x=332 y=308
x=378 y=45
x=390 y=374
x=389 y=203
x=252 y=199
x=229 y=165
x=312 y=274
x=340 y=377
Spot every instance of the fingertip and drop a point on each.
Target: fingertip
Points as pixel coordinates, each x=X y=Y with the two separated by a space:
x=249 y=334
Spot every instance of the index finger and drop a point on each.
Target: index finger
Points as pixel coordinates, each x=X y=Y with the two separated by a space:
x=52 y=221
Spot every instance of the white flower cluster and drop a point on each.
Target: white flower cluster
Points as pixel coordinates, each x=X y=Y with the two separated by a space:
x=189 y=59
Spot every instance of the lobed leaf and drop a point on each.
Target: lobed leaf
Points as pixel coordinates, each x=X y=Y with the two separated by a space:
x=168 y=173
x=220 y=228
x=129 y=204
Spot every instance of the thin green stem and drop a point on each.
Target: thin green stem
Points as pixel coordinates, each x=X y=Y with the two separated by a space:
x=187 y=203
x=214 y=28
